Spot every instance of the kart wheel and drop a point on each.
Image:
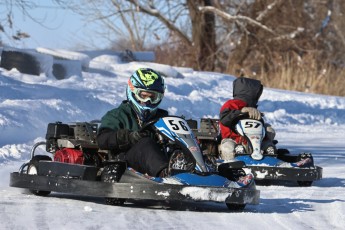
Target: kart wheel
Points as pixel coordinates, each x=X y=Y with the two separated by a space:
x=281 y=152
x=305 y=183
x=235 y=207
x=112 y=174
x=33 y=170
x=232 y=174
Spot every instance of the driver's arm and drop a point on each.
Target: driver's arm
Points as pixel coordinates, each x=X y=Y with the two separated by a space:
x=113 y=140
x=113 y=133
x=227 y=115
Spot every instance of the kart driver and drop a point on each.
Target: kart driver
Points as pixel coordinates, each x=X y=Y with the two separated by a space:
x=246 y=94
x=120 y=132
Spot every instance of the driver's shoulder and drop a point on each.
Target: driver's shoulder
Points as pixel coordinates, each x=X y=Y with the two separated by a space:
x=233 y=104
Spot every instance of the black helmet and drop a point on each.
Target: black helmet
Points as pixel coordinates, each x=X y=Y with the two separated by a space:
x=248 y=90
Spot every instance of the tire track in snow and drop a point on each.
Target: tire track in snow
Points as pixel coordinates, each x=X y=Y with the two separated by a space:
x=331 y=202
x=7 y=214
x=41 y=219
x=276 y=200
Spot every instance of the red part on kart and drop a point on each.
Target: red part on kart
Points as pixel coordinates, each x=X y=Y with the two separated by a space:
x=68 y=155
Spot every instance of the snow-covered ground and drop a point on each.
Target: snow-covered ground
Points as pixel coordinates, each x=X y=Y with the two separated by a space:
x=304 y=122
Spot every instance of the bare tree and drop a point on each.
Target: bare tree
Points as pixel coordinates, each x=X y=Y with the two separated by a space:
x=202 y=42
x=147 y=21
x=7 y=26
x=118 y=21
x=260 y=38
x=10 y=28
x=203 y=34
x=265 y=32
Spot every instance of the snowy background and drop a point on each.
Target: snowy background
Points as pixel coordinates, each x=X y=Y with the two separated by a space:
x=303 y=122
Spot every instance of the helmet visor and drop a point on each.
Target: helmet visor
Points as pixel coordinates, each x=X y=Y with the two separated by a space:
x=144 y=96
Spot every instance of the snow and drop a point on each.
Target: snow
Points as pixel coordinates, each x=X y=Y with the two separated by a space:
x=66 y=54
x=201 y=193
x=303 y=122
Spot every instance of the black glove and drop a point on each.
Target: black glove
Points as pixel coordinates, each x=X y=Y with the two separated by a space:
x=135 y=136
x=125 y=139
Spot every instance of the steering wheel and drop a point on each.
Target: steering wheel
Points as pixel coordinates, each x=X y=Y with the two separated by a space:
x=148 y=125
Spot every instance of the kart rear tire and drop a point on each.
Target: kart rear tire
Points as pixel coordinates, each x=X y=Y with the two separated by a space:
x=305 y=183
x=236 y=207
x=33 y=169
x=282 y=152
x=112 y=174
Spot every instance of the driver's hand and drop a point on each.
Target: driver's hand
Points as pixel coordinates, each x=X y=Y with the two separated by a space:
x=253 y=112
x=135 y=136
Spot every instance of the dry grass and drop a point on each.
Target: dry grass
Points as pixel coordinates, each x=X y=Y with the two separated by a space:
x=306 y=76
x=325 y=81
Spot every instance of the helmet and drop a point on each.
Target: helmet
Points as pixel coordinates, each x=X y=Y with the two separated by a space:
x=145 y=92
x=248 y=90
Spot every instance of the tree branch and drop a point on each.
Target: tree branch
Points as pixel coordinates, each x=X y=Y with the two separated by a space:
x=268 y=10
x=165 y=21
x=229 y=17
x=289 y=36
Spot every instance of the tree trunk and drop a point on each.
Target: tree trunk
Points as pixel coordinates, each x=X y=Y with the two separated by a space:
x=203 y=35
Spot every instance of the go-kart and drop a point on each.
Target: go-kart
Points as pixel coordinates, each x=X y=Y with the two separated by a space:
x=269 y=164
x=72 y=163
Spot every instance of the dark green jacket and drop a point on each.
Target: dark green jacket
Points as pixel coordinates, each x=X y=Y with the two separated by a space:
x=122 y=117
x=116 y=124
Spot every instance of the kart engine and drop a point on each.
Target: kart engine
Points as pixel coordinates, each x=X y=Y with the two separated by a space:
x=71 y=156
x=73 y=143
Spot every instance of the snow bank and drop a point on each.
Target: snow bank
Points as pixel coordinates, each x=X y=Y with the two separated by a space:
x=68 y=55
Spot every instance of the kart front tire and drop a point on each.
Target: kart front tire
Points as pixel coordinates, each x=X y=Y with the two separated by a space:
x=112 y=174
x=33 y=170
x=305 y=183
x=236 y=207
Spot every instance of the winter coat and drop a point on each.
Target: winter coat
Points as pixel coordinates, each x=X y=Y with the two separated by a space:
x=116 y=124
x=246 y=93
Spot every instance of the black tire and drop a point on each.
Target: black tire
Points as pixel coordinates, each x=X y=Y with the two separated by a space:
x=33 y=169
x=232 y=174
x=23 y=62
x=236 y=207
x=305 y=183
x=282 y=152
x=112 y=174
x=263 y=182
x=59 y=71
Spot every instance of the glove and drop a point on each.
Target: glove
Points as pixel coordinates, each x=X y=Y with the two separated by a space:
x=135 y=136
x=253 y=112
